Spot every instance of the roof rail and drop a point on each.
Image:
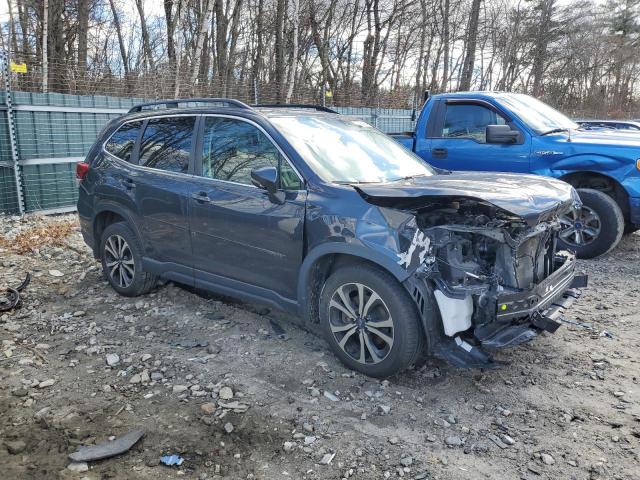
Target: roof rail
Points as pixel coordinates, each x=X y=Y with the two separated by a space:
x=173 y=103
x=320 y=108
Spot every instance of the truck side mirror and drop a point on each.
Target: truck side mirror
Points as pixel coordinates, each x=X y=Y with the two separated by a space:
x=501 y=134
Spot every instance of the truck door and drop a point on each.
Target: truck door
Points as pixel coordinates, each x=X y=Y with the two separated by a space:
x=459 y=139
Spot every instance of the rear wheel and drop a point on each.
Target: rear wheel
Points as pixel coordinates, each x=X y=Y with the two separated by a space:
x=370 y=322
x=121 y=257
x=596 y=228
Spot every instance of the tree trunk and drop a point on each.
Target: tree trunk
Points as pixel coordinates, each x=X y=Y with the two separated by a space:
x=472 y=38
x=445 y=33
x=279 y=49
x=123 y=49
x=202 y=32
x=541 y=44
x=294 y=54
x=146 y=46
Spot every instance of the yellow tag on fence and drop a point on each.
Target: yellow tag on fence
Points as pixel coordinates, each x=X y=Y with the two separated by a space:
x=18 y=67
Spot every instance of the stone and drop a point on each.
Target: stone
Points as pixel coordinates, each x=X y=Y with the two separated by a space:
x=288 y=446
x=406 y=461
x=179 y=389
x=15 y=447
x=228 y=427
x=453 y=441
x=208 y=408
x=137 y=378
x=144 y=376
x=145 y=357
x=156 y=376
x=46 y=383
x=56 y=273
x=78 y=467
x=547 y=459
x=394 y=440
x=309 y=440
x=112 y=359
x=314 y=392
x=225 y=393
x=326 y=459
x=384 y=409
x=331 y=396
x=507 y=439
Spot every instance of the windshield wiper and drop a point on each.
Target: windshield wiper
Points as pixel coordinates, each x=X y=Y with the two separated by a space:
x=556 y=130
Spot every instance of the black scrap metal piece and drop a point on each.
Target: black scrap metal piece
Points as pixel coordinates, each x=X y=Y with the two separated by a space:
x=13 y=296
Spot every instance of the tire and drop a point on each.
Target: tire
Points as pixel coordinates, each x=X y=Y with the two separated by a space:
x=121 y=257
x=391 y=313
x=597 y=229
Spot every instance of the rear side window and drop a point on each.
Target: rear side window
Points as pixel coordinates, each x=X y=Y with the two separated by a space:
x=121 y=143
x=166 y=144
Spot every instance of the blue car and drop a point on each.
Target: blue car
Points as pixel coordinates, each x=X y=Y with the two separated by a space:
x=508 y=132
x=330 y=219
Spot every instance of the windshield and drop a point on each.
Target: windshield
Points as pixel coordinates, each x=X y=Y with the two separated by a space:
x=346 y=150
x=539 y=116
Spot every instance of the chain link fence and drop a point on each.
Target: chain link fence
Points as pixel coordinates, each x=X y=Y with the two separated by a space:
x=47 y=127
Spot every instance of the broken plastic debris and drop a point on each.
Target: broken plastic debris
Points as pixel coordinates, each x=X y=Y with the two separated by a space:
x=172 y=460
x=606 y=333
x=108 y=449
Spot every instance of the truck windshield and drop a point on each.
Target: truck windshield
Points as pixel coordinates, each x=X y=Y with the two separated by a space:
x=539 y=116
x=346 y=150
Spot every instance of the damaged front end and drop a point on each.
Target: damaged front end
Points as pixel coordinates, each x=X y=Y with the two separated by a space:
x=494 y=278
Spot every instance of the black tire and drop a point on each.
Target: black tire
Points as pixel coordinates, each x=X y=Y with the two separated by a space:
x=136 y=281
x=609 y=221
x=406 y=333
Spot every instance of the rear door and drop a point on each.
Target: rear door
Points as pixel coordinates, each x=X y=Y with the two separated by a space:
x=163 y=184
x=459 y=139
x=239 y=232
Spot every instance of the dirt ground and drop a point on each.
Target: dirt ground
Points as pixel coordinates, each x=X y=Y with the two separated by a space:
x=242 y=392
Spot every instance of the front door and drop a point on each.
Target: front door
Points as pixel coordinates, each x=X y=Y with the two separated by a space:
x=239 y=231
x=459 y=141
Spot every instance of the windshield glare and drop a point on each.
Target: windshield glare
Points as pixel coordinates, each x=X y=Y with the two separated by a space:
x=539 y=116
x=346 y=150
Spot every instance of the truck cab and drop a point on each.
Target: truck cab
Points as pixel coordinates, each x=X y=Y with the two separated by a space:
x=508 y=132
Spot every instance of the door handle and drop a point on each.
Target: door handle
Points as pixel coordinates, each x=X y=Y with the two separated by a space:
x=439 y=152
x=201 y=197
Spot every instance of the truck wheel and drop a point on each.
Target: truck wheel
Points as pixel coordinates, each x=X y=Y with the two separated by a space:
x=594 y=230
x=370 y=321
x=121 y=257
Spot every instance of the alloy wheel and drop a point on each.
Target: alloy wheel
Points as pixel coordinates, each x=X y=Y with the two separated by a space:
x=361 y=323
x=119 y=261
x=580 y=227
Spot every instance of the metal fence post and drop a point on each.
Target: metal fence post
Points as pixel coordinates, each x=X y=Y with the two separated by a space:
x=4 y=58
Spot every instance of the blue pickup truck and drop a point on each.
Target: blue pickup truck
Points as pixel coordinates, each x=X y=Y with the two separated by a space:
x=508 y=132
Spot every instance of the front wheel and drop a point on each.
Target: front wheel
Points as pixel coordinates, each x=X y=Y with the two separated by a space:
x=370 y=321
x=595 y=229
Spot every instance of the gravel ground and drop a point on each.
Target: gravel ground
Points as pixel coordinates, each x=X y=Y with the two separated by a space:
x=242 y=392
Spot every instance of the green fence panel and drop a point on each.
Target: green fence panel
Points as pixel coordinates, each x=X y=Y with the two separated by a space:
x=8 y=193
x=49 y=186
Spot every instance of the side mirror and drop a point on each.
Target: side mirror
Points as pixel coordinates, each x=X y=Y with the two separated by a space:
x=265 y=178
x=501 y=134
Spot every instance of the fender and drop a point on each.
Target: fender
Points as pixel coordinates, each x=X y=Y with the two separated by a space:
x=582 y=163
x=384 y=261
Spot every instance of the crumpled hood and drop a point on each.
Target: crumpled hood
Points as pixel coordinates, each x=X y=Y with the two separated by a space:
x=605 y=138
x=530 y=197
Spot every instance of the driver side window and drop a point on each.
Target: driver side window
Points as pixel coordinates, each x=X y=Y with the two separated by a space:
x=232 y=148
x=469 y=121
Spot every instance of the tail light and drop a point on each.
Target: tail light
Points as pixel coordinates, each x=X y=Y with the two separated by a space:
x=81 y=170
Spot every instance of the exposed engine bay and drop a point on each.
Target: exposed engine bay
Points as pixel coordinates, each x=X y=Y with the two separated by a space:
x=495 y=276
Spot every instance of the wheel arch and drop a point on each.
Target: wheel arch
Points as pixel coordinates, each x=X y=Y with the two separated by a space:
x=324 y=259
x=603 y=183
x=107 y=214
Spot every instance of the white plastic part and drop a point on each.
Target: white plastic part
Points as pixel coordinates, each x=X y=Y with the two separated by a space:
x=456 y=314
